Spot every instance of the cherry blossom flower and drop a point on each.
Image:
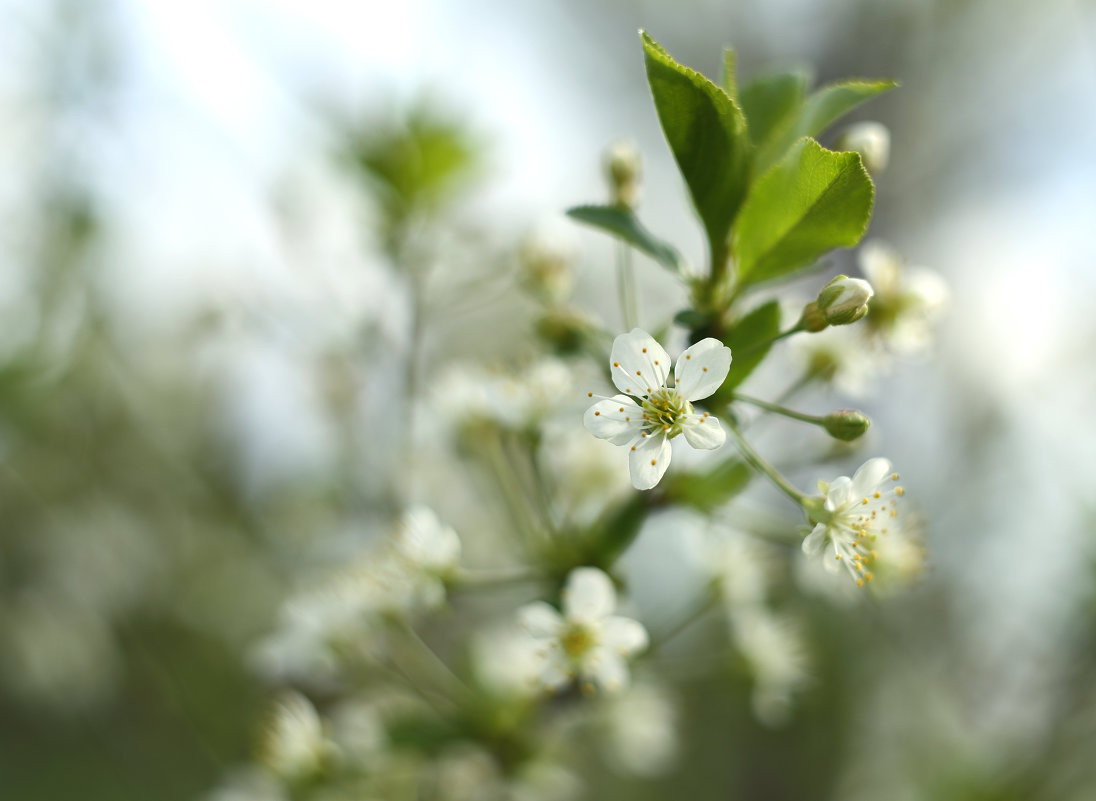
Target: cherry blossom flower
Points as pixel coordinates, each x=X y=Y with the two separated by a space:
x=587 y=641
x=650 y=412
x=855 y=513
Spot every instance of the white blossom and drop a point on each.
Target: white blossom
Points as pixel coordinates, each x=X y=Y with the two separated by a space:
x=345 y=611
x=843 y=357
x=871 y=140
x=650 y=413
x=773 y=648
x=431 y=551
x=294 y=745
x=907 y=300
x=641 y=729
x=855 y=514
x=587 y=641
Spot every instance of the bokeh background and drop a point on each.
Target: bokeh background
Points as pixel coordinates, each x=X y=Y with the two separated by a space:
x=202 y=315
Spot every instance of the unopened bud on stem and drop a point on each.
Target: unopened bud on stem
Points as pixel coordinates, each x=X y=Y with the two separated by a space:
x=624 y=168
x=846 y=424
x=844 y=300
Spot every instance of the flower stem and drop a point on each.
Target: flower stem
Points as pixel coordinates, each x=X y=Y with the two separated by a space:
x=495 y=578
x=778 y=409
x=699 y=608
x=758 y=463
x=626 y=287
x=756 y=346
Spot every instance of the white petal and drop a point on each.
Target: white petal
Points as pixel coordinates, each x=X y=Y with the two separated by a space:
x=814 y=541
x=555 y=670
x=638 y=364
x=870 y=476
x=703 y=431
x=623 y=635
x=702 y=368
x=618 y=419
x=648 y=460
x=881 y=265
x=426 y=542
x=929 y=288
x=839 y=493
x=540 y=620
x=607 y=669
x=589 y=595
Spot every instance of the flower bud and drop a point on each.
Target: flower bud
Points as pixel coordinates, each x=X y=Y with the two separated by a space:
x=844 y=300
x=624 y=168
x=846 y=424
x=547 y=268
x=871 y=140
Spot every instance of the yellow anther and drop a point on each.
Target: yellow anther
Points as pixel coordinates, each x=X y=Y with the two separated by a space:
x=899 y=491
x=878 y=494
x=864 y=502
x=597 y=414
x=860 y=582
x=616 y=364
x=589 y=394
x=894 y=476
x=644 y=350
x=621 y=409
x=654 y=461
x=705 y=369
x=688 y=356
x=633 y=447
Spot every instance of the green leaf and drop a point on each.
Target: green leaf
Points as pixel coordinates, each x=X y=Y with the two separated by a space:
x=833 y=101
x=706 y=131
x=749 y=340
x=814 y=200
x=813 y=116
x=621 y=222
x=711 y=489
x=771 y=104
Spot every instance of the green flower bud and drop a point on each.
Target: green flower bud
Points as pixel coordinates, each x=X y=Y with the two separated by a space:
x=547 y=268
x=624 y=168
x=871 y=140
x=844 y=300
x=846 y=424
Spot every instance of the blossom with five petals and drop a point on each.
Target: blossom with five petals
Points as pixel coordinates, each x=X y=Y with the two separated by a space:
x=650 y=413
x=587 y=641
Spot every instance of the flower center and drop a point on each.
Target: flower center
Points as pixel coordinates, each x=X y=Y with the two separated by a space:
x=663 y=410
x=577 y=640
x=857 y=525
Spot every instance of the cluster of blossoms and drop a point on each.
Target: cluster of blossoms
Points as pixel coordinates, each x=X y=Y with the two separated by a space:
x=489 y=709
x=405 y=576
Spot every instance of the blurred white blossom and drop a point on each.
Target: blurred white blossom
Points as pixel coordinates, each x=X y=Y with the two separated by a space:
x=587 y=641
x=641 y=731
x=908 y=300
x=773 y=648
x=294 y=745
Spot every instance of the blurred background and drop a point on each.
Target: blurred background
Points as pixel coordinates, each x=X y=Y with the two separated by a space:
x=204 y=312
